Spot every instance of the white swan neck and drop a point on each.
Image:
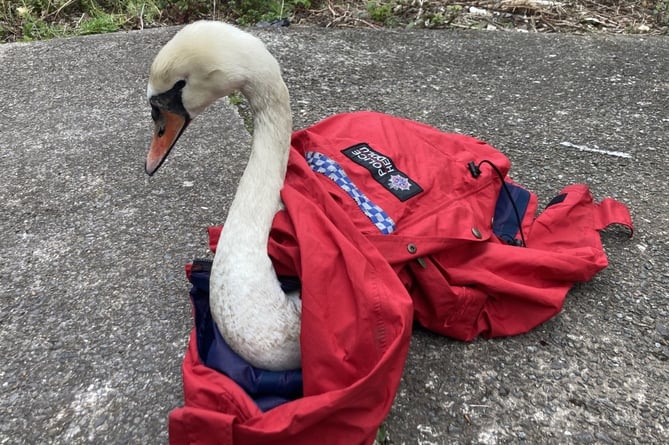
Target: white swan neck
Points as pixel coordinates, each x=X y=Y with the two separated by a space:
x=258 y=194
x=257 y=319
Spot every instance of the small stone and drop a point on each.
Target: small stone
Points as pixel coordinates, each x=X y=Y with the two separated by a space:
x=603 y=437
x=100 y=421
x=662 y=330
x=584 y=438
x=557 y=364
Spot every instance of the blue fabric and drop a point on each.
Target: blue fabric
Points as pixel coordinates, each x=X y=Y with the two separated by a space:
x=267 y=388
x=328 y=167
x=506 y=224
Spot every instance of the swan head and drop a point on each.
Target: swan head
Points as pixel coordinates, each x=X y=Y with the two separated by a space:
x=203 y=62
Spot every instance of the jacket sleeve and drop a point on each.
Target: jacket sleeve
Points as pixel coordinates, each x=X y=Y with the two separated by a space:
x=495 y=289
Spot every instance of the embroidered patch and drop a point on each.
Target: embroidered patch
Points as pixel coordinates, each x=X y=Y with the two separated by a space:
x=383 y=171
x=322 y=164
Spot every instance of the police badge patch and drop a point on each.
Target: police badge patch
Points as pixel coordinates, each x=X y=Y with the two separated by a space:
x=383 y=170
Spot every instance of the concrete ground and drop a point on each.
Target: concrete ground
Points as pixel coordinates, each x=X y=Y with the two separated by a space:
x=94 y=315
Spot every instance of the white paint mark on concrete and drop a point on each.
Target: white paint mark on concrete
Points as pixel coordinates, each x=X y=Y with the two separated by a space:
x=87 y=406
x=427 y=429
x=619 y=154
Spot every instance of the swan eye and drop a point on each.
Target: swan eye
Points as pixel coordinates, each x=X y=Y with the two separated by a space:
x=168 y=102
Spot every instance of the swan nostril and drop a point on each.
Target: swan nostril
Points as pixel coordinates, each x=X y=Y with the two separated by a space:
x=161 y=131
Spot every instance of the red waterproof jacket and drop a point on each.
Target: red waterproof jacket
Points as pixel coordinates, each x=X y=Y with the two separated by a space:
x=387 y=220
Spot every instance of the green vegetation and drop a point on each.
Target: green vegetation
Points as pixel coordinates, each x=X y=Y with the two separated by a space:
x=662 y=12
x=382 y=436
x=380 y=11
x=42 y=19
x=25 y=20
x=238 y=101
x=406 y=13
x=254 y=11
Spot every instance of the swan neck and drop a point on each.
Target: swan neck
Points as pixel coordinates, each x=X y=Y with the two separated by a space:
x=258 y=195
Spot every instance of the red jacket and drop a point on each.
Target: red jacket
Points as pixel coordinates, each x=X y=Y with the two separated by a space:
x=386 y=220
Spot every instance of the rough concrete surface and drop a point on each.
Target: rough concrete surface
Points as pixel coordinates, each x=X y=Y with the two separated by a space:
x=94 y=313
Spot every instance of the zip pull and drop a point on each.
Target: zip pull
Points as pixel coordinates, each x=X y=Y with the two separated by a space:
x=422 y=262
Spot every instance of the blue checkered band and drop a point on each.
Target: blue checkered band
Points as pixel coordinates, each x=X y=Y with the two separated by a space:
x=326 y=166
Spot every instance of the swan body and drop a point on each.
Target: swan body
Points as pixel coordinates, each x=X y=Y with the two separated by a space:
x=202 y=63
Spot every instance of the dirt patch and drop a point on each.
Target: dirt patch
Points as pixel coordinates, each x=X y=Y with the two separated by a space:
x=582 y=16
x=32 y=20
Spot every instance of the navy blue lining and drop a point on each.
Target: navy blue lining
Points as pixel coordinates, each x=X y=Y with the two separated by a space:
x=557 y=200
x=506 y=225
x=267 y=388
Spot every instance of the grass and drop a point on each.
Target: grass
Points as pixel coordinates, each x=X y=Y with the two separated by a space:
x=43 y=19
x=662 y=11
x=26 y=20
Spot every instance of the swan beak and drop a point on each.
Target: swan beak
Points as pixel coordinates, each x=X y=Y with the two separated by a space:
x=168 y=128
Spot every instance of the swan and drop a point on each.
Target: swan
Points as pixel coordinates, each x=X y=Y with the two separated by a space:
x=203 y=62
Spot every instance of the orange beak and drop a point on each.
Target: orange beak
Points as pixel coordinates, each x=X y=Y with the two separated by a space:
x=168 y=128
